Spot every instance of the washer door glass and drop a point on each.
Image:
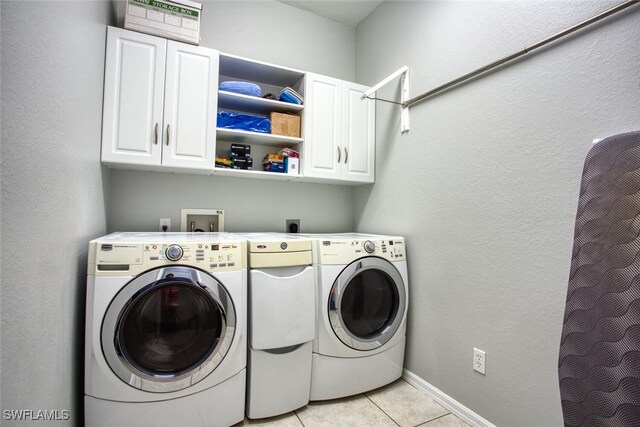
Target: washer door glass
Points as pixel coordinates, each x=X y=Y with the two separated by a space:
x=367 y=303
x=168 y=328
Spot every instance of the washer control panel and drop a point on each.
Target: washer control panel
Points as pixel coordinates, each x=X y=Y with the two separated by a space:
x=344 y=251
x=174 y=252
x=369 y=247
x=134 y=258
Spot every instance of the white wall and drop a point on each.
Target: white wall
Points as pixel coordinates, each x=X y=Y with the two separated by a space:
x=485 y=184
x=52 y=195
x=267 y=31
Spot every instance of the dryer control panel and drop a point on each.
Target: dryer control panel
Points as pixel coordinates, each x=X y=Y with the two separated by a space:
x=344 y=251
x=134 y=258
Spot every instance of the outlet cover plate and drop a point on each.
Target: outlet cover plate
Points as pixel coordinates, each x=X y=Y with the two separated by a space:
x=165 y=222
x=479 y=361
x=292 y=222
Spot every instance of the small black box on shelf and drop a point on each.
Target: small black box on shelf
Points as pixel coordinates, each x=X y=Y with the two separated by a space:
x=245 y=163
x=240 y=150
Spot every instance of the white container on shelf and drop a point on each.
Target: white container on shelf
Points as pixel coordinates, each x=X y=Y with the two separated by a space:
x=172 y=19
x=292 y=165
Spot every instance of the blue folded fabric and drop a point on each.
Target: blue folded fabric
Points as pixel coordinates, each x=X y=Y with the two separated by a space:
x=244 y=88
x=246 y=122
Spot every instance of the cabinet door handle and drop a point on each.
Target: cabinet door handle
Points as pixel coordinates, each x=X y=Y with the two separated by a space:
x=155 y=132
x=346 y=155
x=168 y=134
x=339 y=154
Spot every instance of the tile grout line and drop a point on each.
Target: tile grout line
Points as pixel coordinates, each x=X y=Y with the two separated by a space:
x=436 y=418
x=295 y=412
x=376 y=405
x=425 y=394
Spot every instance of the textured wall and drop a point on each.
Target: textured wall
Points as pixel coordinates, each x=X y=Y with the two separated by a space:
x=52 y=195
x=485 y=184
x=274 y=32
x=140 y=198
x=256 y=30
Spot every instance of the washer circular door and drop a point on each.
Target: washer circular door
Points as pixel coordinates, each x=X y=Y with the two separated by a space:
x=367 y=303
x=168 y=328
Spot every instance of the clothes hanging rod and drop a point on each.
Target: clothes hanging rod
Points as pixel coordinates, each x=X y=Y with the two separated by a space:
x=524 y=51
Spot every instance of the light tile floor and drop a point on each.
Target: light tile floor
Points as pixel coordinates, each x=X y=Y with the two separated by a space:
x=398 y=404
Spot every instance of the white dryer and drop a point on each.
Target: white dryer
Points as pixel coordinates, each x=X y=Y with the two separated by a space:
x=362 y=299
x=165 y=332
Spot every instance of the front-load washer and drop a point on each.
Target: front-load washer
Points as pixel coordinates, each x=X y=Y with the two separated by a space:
x=165 y=332
x=362 y=299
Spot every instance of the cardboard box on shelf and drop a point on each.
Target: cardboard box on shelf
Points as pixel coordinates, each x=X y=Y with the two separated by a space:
x=285 y=124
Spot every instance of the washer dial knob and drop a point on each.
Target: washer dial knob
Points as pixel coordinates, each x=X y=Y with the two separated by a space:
x=369 y=246
x=174 y=252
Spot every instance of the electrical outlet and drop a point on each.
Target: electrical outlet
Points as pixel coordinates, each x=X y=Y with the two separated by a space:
x=479 y=359
x=292 y=226
x=165 y=222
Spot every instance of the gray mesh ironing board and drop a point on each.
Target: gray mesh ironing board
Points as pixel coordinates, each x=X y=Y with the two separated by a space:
x=599 y=362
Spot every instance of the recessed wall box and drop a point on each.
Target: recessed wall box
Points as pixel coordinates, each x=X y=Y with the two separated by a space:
x=173 y=19
x=201 y=220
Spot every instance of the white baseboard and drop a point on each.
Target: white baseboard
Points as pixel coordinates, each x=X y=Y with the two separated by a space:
x=455 y=407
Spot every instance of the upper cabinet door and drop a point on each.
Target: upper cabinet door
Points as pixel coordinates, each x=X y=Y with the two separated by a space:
x=322 y=147
x=191 y=98
x=133 y=98
x=358 y=134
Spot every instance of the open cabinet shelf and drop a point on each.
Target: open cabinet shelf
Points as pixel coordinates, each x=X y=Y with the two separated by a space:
x=246 y=137
x=258 y=71
x=239 y=173
x=253 y=104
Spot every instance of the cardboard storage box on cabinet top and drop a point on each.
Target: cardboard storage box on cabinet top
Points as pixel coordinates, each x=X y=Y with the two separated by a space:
x=173 y=19
x=285 y=124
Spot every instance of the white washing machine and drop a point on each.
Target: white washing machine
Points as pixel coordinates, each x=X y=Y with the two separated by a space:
x=165 y=340
x=362 y=299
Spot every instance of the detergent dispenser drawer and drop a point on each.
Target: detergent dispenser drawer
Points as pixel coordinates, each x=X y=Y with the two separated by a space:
x=281 y=307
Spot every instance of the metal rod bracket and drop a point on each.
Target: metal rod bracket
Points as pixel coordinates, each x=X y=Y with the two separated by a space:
x=403 y=73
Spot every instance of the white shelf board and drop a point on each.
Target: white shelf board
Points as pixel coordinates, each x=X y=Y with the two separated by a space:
x=239 y=173
x=245 y=137
x=257 y=71
x=254 y=104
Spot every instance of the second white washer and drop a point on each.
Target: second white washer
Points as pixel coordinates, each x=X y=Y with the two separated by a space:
x=361 y=312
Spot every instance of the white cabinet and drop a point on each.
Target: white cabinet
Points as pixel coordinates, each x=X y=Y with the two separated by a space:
x=339 y=131
x=322 y=154
x=160 y=101
x=358 y=134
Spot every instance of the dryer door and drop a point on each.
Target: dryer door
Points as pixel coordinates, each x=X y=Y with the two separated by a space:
x=367 y=303
x=168 y=329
